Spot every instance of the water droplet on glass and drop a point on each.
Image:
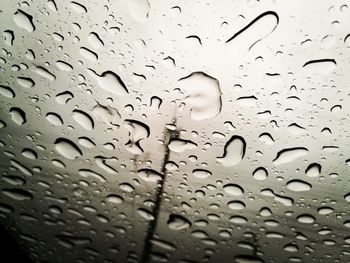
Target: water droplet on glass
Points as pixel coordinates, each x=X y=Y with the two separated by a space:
x=110 y=82
x=289 y=155
x=260 y=173
x=298 y=185
x=24 y=21
x=7 y=92
x=306 y=219
x=234 y=151
x=202 y=94
x=233 y=189
x=178 y=222
x=67 y=148
x=17 y=194
x=18 y=116
x=83 y=119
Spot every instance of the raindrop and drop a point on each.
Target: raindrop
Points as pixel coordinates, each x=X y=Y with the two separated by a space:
x=7 y=92
x=83 y=119
x=25 y=170
x=63 y=97
x=139 y=10
x=54 y=119
x=238 y=220
x=233 y=189
x=144 y=213
x=18 y=194
x=266 y=138
x=234 y=151
x=291 y=248
x=149 y=175
x=179 y=145
x=236 y=205
x=323 y=66
x=325 y=210
x=29 y=153
x=86 y=173
x=52 y=5
x=24 y=21
x=64 y=66
x=110 y=82
x=18 y=116
x=163 y=244
x=203 y=95
x=88 y=54
x=137 y=132
x=201 y=174
x=178 y=222
x=126 y=187
x=77 y=7
x=260 y=173
x=9 y=37
x=313 y=170
x=114 y=199
x=289 y=155
x=86 y=142
x=25 y=82
x=44 y=73
x=298 y=185
x=248 y=259
x=306 y=219
x=67 y=148
x=347 y=197
x=95 y=40
x=265 y=211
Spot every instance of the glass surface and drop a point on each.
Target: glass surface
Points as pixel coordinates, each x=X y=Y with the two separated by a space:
x=176 y=131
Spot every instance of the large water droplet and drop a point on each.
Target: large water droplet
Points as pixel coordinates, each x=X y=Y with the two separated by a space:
x=54 y=119
x=18 y=116
x=178 y=222
x=203 y=95
x=137 y=132
x=298 y=185
x=18 y=194
x=88 y=54
x=201 y=173
x=139 y=10
x=110 y=82
x=306 y=219
x=114 y=199
x=91 y=174
x=179 y=146
x=236 y=205
x=234 y=151
x=144 y=213
x=149 y=175
x=289 y=155
x=95 y=40
x=24 y=20
x=233 y=189
x=25 y=82
x=44 y=73
x=83 y=119
x=67 y=148
x=313 y=170
x=64 y=66
x=260 y=173
x=7 y=92
x=77 y=7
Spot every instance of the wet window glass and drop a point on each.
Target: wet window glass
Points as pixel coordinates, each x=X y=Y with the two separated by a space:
x=176 y=131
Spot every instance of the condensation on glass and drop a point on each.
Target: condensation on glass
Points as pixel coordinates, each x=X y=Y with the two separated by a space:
x=176 y=131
